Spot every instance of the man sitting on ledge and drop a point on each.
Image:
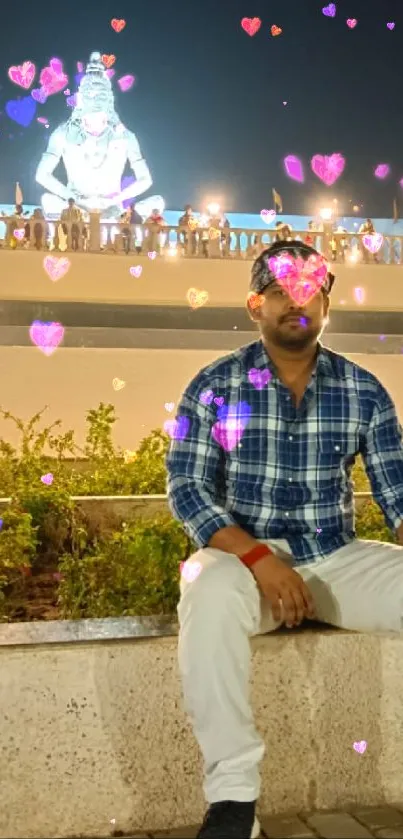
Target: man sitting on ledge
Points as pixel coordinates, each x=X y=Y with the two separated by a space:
x=259 y=473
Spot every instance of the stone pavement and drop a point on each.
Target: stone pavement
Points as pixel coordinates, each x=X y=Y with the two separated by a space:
x=359 y=823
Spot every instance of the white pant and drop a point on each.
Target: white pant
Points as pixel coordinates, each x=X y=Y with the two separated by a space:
x=358 y=587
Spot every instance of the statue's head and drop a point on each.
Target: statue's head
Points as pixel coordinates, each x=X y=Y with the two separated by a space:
x=95 y=108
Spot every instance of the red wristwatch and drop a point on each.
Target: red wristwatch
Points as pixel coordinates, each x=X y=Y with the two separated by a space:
x=255 y=554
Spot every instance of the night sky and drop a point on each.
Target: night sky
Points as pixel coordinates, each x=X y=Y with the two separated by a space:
x=207 y=106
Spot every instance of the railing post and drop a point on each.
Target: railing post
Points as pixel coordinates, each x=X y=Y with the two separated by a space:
x=95 y=231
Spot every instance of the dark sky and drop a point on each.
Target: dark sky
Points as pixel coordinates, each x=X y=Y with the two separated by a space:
x=208 y=105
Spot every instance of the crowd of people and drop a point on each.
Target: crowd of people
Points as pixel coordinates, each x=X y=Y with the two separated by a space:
x=205 y=235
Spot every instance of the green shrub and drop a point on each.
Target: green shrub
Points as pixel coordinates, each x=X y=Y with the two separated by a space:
x=134 y=572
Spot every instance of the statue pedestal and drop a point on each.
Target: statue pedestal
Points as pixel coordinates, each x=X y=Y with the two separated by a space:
x=95 y=231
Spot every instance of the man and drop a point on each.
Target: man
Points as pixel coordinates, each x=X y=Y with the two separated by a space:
x=262 y=485
x=72 y=216
x=187 y=224
x=367 y=229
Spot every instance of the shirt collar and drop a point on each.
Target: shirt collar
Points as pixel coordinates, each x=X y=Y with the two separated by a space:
x=324 y=364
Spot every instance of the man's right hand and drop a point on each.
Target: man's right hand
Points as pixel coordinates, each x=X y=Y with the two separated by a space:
x=278 y=583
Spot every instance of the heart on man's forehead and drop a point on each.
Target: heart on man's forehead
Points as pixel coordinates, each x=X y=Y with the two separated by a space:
x=301 y=278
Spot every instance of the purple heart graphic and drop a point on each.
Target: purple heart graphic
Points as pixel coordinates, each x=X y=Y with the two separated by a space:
x=125 y=83
x=382 y=171
x=259 y=378
x=1 y=523
x=47 y=479
x=232 y=421
x=71 y=101
x=330 y=10
x=207 y=397
x=46 y=335
x=21 y=111
x=39 y=94
x=328 y=167
x=219 y=400
x=78 y=78
x=293 y=168
x=178 y=428
x=391 y=25
x=136 y=270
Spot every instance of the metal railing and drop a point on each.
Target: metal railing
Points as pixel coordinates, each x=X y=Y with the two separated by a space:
x=170 y=241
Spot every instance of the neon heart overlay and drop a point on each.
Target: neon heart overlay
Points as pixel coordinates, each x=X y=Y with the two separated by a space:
x=177 y=429
x=118 y=25
x=39 y=95
x=352 y=22
x=136 y=271
x=125 y=83
x=259 y=378
x=71 y=101
x=359 y=295
x=152 y=255
x=255 y=300
x=275 y=30
x=268 y=216
x=251 y=25
x=46 y=335
x=233 y=419
x=219 y=400
x=19 y=234
x=330 y=10
x=196 y=298
x=1 y=523
x=47 y=479
x=328 y=168
x=23 y=74
x=118 y=384
x=56 y=268
x=382 y=171
x=110 y=73
x=169 y=406
x=293 y=168
x=108 y=60
x=391 y=25
x=372 y=242
x=52 y=78
x=190 y=570
x=206 y=397
x=302 y=279
x=360 y=746
x=21 y=111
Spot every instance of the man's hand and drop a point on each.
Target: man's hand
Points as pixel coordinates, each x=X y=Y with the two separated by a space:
x=278 y=583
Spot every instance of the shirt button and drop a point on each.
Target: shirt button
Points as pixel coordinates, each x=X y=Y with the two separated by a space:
x=290 y=437
x=290 y=480
x=287 y=514
x=337 y=448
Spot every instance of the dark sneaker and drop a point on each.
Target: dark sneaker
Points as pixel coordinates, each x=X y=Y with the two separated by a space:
x=230 y=820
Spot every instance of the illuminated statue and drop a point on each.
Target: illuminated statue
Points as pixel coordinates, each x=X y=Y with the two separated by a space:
x=95 y=146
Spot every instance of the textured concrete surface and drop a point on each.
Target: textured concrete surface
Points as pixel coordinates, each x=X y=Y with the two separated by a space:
x=93 y=733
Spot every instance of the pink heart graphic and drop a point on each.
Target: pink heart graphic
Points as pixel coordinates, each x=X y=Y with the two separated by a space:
x=373 y=242
x=360 y=746
x=152 y=254
x=294 y=168
x=47 y=479
x=302 y=279
x=136 y=271
x=228 y=432
x=19 y=234
x=259 y=378
x=251 y=25
x=190 y=570
x=352 y=22
x=110 y=73
x=23 y=74
x=328 y=168
x=125 y=83
x=382 y=171
x=46 y=336
x=56 y=268
x=52 y=78
x=268 y=216
x=39 y=95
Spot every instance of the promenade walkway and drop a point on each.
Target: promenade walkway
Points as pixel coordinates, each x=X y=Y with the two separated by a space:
x=362 y=823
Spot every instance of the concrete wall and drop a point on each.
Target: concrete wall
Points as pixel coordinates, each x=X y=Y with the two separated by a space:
x=74 y=380
x=94 y=738
x=165 y=281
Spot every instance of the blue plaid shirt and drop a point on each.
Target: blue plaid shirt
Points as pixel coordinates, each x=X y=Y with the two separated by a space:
x=288 y=476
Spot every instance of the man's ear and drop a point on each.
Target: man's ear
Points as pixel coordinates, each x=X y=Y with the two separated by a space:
x=253 y=305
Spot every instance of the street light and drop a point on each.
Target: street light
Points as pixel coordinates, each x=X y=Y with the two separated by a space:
x=326 y=213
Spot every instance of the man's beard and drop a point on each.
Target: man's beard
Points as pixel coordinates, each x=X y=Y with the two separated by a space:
x=293 y=340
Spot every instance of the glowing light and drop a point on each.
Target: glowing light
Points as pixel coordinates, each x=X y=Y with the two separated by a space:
x=118 y=384
x=213 y=208
x=326 y=213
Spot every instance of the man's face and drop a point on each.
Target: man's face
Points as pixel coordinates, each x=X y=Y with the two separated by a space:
x=285 y=323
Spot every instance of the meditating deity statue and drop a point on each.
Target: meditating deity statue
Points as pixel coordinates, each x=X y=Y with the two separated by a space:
x=95 y=146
